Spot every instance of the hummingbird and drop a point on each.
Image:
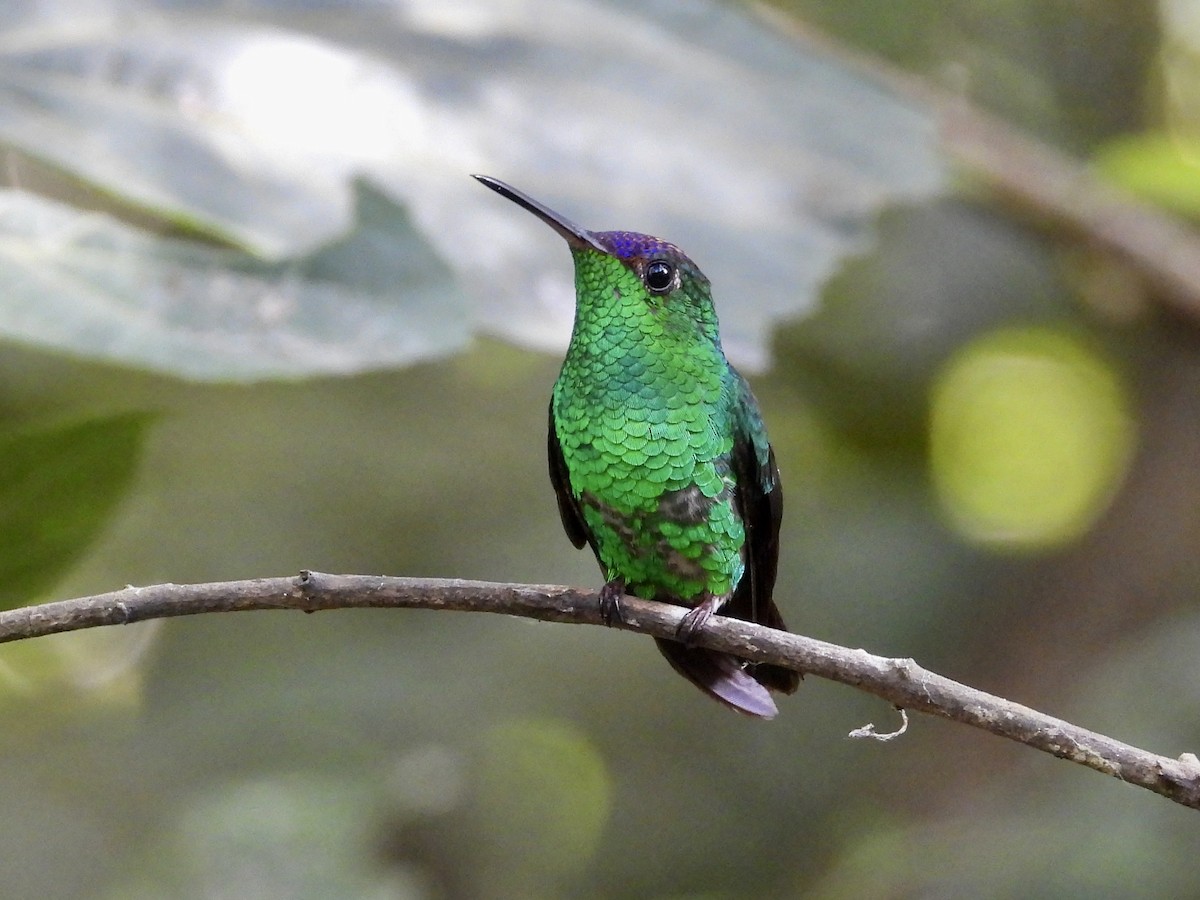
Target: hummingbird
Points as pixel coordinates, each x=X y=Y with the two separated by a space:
x=658 y=453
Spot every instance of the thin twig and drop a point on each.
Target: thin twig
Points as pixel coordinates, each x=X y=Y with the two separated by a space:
x=899 y=681
x=1073 y=199
x=1036 y=180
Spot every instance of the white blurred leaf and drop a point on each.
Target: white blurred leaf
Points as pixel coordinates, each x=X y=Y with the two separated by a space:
x=764 y=158
x=248 y=134
x=89 y=285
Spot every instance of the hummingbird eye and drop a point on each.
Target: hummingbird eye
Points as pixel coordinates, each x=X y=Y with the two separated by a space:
x=660 y=277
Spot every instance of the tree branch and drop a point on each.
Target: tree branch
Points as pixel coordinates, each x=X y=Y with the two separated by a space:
x=1071 y=198
x=899 y=681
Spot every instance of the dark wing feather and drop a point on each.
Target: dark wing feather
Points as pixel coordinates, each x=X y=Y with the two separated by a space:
x=568 y=505
x=760 y=503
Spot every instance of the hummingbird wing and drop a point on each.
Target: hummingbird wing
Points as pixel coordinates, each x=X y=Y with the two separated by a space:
x=568 y=504
x=760 y=503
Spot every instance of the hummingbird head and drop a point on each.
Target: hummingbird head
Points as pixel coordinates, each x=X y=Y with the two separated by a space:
x=619 y=266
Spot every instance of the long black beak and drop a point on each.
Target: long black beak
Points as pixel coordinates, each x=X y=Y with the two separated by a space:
x=577 y=237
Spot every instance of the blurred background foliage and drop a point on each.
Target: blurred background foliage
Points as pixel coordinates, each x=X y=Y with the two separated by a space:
x=256 y=318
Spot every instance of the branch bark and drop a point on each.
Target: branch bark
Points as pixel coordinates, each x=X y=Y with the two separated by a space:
x=901 y=682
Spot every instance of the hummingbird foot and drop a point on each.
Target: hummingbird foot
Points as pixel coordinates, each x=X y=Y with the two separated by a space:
x=693 y=622
x=610 y=601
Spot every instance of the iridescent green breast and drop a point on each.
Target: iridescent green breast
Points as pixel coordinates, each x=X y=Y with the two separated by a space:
x=642 y=411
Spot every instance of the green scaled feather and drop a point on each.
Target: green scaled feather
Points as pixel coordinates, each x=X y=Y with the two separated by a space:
x=644 y=410
x=658 y=454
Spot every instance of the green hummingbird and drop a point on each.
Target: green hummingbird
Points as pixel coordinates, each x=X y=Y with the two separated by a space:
x=658 y=453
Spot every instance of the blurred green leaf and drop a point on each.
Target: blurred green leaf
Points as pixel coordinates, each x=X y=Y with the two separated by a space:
x=1160 y=168
x=890 y=319
x=1030 y=436
x=545 y=796
x=294 y=836
x=58 y=487
x=90 y=285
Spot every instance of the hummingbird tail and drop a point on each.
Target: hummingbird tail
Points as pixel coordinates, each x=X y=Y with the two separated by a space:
x=721 y=676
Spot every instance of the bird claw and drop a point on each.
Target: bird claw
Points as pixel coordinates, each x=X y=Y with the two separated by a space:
x=610 y=601
x=693 y=623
